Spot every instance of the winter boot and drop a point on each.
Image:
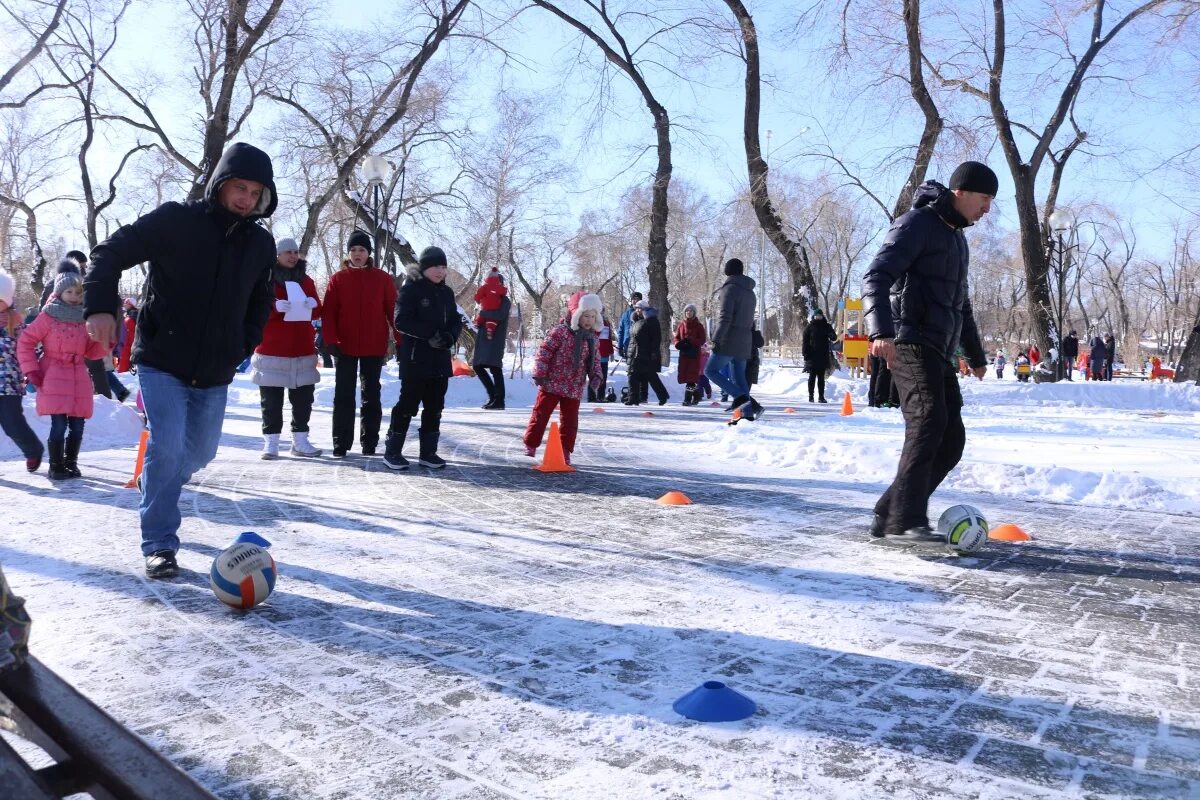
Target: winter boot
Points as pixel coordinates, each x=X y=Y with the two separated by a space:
x=34 y=462
x=394 y=444
x=162 y=564
x=877 y=526
x=429 y=443
x=71 y=456
x=302 y=447
x=270 y=446
x=58 y=470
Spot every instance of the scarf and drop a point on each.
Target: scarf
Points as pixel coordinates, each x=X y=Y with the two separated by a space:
x=295 y=274
x=578 y=347
x=63 y=312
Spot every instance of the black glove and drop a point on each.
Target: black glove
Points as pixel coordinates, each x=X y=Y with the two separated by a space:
x=333 y=350
x=441 y=341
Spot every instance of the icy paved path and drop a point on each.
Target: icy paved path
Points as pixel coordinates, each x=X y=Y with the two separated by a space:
x=493 y=632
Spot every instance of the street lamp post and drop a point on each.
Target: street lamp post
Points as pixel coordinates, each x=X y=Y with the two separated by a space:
x=374 y=170
x=1060 y=223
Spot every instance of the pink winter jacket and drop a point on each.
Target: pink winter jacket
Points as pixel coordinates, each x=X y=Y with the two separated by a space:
x=66 y=386
x=554 y=370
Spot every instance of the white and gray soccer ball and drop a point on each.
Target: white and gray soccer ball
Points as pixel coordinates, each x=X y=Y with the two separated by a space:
x=964 y=527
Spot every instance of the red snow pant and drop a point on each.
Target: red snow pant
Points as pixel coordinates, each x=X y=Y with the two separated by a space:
x=543 y=407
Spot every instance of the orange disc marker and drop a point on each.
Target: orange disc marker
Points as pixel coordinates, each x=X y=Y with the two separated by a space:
x=674 y=499
x=1008 y=533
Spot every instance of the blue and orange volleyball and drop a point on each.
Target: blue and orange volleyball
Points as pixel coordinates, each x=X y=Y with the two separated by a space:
x=243 y=575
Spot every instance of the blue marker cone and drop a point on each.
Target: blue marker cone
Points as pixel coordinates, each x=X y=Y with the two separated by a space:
x=250 y=537
x=713 y=701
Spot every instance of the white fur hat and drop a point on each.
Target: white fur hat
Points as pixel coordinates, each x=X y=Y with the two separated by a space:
x=8 y=287
x=589 y=302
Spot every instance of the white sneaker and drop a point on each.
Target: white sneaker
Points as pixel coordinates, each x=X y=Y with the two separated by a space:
x=270 y=446
x=302 y=447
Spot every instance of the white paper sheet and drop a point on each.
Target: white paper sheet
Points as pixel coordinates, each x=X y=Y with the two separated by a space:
x=298 y=311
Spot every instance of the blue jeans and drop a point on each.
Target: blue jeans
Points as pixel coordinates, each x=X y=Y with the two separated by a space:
x=12 y=420
x=61 y=423
x=185 y=428
x=735 y=386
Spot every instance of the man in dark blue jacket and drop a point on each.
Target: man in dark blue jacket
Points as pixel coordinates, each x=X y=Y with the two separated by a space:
x=428 y=318
x=207 y=298
x=917 y=314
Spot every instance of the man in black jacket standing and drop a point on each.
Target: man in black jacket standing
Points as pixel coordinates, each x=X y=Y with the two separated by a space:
x=917 y=313
x=1070 y=353
x=207 y=298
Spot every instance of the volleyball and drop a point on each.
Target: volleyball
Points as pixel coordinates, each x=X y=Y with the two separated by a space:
x=243 y=575
x=964 y=527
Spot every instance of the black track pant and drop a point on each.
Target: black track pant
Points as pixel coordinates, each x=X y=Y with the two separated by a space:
x=934 y=436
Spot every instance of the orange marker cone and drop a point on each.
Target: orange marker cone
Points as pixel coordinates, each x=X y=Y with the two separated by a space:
x=141 y=458
x=597 y=410
x=789 y=410
x=1008 y=533
x=847 y=406
x=647 y=413
x=674 y=499
x=554 y=460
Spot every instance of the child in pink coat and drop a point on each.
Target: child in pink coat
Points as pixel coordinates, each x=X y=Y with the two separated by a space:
x=62 y=380
x=567 y=361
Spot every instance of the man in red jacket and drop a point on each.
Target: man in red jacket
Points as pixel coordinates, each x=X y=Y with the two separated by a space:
x=357 y=321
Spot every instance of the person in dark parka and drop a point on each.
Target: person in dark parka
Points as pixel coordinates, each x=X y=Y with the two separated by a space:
x=917 y=312
x=818 y=336
x=488 y=358
x=207 y=297
x=645 y=355
x=427 y=316
x=732 y=340
x=1110 y=355
x=1097 y=358
x=1070 y=353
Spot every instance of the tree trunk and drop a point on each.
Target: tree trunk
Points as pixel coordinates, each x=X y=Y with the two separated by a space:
x=1189 y=362
x=657 y=246
x=920 y=92
x=804 y=286
x=1033 y=254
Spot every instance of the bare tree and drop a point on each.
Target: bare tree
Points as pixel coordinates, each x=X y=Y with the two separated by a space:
x=234 y=56
x=350 y=126
x=534 y=267
x=1054 y=36
x=805 y=295
x=77 y=60
x=39 y=44
x=28 y=164
x=630 y=61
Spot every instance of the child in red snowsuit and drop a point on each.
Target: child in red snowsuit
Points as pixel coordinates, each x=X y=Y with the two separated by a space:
x=489 y=296
x=567 y=361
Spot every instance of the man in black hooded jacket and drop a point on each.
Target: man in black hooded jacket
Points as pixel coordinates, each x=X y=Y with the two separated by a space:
x=207 y=298
x=917 y=313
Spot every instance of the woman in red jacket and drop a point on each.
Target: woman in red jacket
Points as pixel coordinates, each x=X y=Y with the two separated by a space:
x=357 y=323
x=287 y=356
x=689 y=338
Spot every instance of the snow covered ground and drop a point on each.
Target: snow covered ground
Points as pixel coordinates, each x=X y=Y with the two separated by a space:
x=490 y=631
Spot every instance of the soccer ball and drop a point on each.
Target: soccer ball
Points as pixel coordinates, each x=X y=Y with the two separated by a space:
x=243 y=575
x=964 y=527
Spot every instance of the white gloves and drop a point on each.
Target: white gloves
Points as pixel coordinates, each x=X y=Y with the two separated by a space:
x=310 y=302
x=283 y=306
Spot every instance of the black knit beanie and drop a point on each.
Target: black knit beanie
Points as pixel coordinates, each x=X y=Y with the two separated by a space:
x=734 y=266
x=359 y=239
x=971 y=176
x=431 y=257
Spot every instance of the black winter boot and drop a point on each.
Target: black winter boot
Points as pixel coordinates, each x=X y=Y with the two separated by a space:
x=392 y=458
x=71 y=456
x=429 y=443
x=58 y=469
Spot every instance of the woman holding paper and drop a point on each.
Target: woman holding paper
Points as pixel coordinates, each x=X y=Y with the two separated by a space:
x=287 y=357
